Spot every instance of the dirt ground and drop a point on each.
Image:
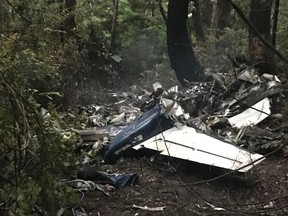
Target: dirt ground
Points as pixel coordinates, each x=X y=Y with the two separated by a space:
x=186 y=188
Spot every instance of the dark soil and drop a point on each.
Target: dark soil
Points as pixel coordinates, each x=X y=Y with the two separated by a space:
x=186 y=188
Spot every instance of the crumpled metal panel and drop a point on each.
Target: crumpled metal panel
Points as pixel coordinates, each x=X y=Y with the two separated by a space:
x=152 y=122
x=188 y=144
x=252 y=116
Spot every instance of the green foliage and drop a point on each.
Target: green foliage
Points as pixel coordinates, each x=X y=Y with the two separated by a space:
x=42 y=65
x=143 y=37
x=34 y=155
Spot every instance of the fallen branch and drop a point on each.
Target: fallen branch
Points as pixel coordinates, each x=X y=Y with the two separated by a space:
x=146 y=208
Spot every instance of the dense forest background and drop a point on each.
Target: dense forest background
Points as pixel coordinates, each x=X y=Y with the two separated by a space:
x=63 y=54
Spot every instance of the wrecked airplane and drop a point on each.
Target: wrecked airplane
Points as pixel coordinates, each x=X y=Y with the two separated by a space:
x=195 y=124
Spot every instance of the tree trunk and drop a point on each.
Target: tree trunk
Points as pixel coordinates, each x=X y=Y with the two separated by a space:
x=275 y=22
x=260 y=14
x=220 y=17
x=180 y=51
x=197 y=22
x=152 y=5
x=68 y=26
x=113 y=44
x=162 y=11
x=253 y=29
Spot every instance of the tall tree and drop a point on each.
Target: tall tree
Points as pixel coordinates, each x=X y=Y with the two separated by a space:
x=253 y=29
x=220 y=16
x=113 y=44
x=180 y=51
x=275 y=21
x=68 y=26
x=260 y=18
x=162 y=11
x=197 y=22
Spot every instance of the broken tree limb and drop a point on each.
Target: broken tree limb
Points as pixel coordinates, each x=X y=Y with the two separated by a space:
x=252 y=27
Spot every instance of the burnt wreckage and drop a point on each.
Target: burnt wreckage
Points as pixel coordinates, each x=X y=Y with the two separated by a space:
x=207 y=122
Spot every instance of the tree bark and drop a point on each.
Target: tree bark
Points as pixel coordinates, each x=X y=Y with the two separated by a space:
x=113 y=44
x=260 y=15
x=68 y=26
x=197 y=22
x=275 y=22
x=162 y=11
x=253 y=28
x=180 y=51
x=220 y=17
x=152 y=6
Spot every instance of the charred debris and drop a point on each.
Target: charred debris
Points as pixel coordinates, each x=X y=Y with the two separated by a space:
x=231 y=127
x=228 y=126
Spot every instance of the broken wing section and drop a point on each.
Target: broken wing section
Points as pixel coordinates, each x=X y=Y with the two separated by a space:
x=186 y=143
x=252 y=116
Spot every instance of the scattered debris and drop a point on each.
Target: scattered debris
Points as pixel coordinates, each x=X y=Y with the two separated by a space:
x=146 y=208
x=149 y=124
x=93 y=135
x=269 y=205
x=211 y=206
x=228 y=127
x=215 y=208
x=116 y=58
x=90 y=173
x=204 y=123
x=107 y=189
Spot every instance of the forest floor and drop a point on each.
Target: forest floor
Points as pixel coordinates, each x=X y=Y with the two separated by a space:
x=185 y=188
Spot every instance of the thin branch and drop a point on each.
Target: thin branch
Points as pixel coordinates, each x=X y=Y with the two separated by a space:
x=24 y=136
x=252 y=27
x=18 y=12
